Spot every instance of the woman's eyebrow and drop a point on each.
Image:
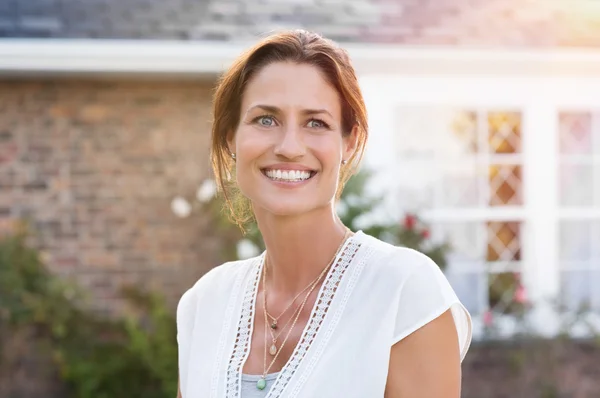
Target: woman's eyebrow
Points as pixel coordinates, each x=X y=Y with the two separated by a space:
x=276 y=110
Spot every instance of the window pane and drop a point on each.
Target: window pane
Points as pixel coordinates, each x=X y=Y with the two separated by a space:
x=580 y=263
x=504 y=132
x=415 y=135
x=464 y=129
x=503 y=293
x=575 y=132
x=576 y=185
x=460 y=185
x=579 y=289
x=505 y=185
x=416 y=181
x=504 y=241
x=597 y=181
x=575 y=241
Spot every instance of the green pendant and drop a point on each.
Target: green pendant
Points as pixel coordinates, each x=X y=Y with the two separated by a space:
x=261 y=383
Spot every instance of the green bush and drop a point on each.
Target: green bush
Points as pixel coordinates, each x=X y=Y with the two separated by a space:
x=96 y=356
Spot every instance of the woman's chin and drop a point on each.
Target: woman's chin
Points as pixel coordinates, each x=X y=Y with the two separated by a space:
x=290 y=208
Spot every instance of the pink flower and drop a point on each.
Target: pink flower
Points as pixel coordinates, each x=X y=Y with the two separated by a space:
x=425 y=233
x=520 y=295
x=488 y=318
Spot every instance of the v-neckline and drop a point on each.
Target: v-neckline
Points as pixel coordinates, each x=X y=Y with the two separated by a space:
x=320 y=311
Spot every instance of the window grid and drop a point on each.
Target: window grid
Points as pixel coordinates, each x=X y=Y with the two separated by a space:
x=494 y=171
x=579 y=219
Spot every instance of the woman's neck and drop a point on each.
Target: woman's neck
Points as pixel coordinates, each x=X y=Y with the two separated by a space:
x=298 y=248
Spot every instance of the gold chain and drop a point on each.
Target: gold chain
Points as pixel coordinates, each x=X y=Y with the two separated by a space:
x=276 y=319
x=265 y=368
x=273 y=337
x=299 y=309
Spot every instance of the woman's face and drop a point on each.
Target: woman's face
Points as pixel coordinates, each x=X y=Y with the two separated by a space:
x=289 y=144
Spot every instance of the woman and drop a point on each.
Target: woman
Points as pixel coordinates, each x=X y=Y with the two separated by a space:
x=323 y=312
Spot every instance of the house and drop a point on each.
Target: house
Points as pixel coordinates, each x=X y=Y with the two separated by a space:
x=485 y=119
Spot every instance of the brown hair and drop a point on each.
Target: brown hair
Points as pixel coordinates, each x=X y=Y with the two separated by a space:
x=297 y=46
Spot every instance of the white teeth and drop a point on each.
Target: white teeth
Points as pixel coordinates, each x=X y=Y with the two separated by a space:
x=288 y=175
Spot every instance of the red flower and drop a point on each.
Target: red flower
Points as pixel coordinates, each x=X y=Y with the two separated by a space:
x=410 y=221
x=425 y=233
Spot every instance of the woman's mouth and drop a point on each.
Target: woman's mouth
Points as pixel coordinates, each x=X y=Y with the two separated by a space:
x=288 y=175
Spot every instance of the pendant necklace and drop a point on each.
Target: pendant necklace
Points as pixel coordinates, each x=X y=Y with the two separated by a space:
x=262 y=382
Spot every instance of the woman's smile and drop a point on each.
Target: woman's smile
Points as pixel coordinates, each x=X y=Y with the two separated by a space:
x=288 y=175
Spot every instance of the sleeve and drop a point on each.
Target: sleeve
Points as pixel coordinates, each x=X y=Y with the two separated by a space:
x=425 y=295
x=186 y=309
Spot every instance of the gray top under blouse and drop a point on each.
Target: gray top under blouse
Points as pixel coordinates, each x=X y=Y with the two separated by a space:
x=249 y=389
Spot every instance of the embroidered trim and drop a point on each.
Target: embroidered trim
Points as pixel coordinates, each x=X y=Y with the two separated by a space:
x=317 y=318
x=328 y=332
x=244 y=333
x=241 y=348
x=214 y=382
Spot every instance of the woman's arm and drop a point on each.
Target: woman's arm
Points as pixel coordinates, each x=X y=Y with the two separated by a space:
x=178 y=390
x=426 y=363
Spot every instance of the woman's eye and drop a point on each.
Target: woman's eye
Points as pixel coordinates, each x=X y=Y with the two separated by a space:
x=266 y=121
x=317 y=124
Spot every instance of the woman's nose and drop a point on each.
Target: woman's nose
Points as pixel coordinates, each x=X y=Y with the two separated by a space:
x=290 y=143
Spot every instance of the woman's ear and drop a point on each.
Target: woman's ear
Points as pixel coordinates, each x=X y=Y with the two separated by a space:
x=231 y=142
x=350 y=143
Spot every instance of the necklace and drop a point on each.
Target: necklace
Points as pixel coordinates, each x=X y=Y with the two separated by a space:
x=261 y=383
x=273 y=347
x=275 y=320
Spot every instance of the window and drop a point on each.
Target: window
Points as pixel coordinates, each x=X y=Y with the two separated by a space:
x=579 y=195
x=462 y=169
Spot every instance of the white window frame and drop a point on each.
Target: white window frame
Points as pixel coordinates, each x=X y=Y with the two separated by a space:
x=539 y=99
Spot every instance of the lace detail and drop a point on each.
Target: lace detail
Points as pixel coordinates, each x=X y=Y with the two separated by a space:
x=317 y=317
x=245 y=326
x=214 y=382
x=326 y=295
x=336 y=316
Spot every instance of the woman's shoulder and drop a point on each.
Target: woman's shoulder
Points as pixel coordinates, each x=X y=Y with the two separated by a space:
x=421 y=289
x=396 y=262
x=220 y=280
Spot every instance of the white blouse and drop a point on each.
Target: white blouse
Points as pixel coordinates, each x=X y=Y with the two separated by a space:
x=374 y=295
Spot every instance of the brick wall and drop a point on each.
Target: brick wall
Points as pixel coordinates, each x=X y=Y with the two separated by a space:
x=94 y=166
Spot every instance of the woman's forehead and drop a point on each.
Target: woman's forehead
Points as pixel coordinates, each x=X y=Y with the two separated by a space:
x=287 y=85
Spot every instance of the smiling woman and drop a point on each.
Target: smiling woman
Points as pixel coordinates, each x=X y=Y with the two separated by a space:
x=324 y=311
x=269 y=75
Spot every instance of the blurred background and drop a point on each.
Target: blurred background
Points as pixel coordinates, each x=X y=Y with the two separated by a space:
x=484 y=153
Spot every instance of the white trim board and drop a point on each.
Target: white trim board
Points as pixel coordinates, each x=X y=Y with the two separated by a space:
x=145 y=57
